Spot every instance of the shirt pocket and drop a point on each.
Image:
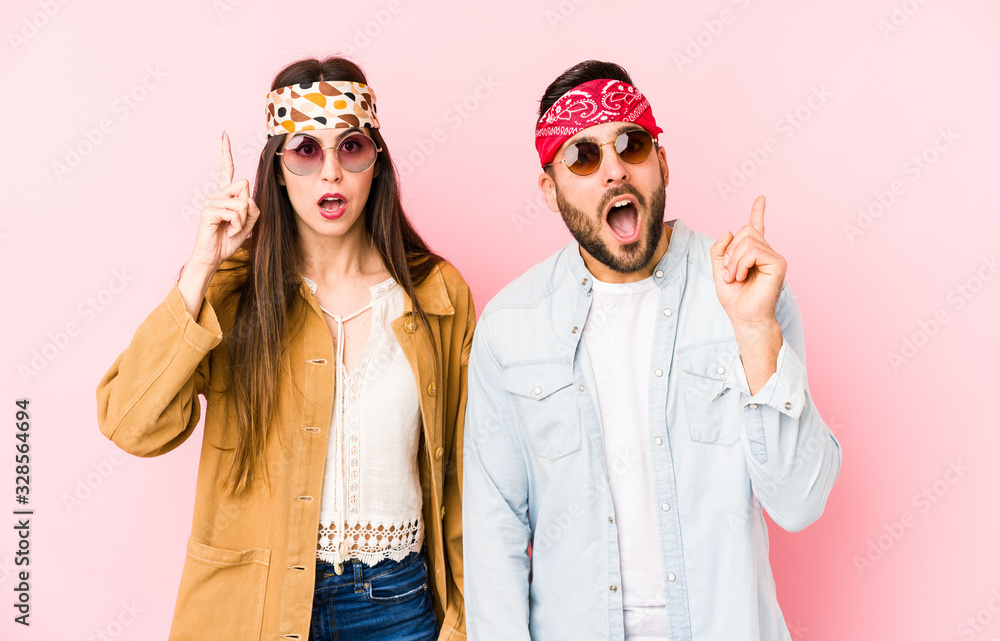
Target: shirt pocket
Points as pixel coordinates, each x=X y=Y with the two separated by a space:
x=543 y=396
x=221 y=595
x=712 y=410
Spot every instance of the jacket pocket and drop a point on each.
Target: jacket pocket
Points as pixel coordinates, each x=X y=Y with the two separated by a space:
x=544 y=398
x=221 y=595
x=712 y=410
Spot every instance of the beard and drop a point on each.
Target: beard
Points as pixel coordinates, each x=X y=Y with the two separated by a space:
x=627 y=258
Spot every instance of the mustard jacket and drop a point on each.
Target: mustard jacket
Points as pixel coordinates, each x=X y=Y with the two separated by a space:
x=250 y=567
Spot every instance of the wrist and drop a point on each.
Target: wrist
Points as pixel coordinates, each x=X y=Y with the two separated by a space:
x=750 y=333
x=194 y=268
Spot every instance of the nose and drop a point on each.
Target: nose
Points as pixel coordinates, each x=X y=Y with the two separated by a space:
x=331 y=169
x=613 y=169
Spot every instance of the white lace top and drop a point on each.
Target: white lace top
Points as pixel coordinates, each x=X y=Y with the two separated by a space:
x=371 y=501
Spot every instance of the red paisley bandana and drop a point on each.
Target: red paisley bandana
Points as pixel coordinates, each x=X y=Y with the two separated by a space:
x=592 y=103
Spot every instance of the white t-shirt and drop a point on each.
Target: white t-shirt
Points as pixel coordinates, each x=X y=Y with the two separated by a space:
x=619 y=336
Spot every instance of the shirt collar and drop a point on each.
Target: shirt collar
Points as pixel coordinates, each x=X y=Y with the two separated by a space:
x=677 y=249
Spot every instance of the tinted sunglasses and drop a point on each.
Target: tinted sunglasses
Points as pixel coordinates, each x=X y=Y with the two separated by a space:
x=303 y=154
x=584 y=157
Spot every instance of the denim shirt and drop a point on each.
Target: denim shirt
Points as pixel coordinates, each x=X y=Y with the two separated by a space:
x=535 y=469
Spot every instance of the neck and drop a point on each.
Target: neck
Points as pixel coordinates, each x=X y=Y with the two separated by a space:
x=604 y=273
x=330 y=258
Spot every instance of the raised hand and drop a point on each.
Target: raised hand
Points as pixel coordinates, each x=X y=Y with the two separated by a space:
x=228 y=216
x=748 y=273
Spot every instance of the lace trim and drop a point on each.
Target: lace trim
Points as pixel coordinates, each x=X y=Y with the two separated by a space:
x=352 y=413
x=372 y=541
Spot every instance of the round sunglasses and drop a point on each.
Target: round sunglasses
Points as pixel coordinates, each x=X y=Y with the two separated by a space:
x=584 y=157
x=303 y=154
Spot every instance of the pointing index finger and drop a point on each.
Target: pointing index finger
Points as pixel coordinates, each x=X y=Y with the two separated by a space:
x=226 y=171
x=757 y=214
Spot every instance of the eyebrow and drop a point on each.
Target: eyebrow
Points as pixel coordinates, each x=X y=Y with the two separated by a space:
x=625 y=127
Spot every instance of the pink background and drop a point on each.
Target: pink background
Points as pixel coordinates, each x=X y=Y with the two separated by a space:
x=109 y=530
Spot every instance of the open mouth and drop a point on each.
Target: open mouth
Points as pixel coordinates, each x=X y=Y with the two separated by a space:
x=623 y=219
x=332 y=206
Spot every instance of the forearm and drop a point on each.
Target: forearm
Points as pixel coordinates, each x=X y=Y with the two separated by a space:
x=792 y=457
x=193 y=285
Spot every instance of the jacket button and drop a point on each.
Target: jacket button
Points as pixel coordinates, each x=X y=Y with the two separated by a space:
x=431 y=390
x=409 y=326
x=788 y=406
x=442 y=512
x=439 y=453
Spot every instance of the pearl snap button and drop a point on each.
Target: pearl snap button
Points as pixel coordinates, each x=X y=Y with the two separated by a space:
x=671 y=577
x=614 y=588
x=665 y=507
x=538 y=390
x=667 y=312
x=721 y=370
x=788 y=406
x=658 y=440
x=658 y=372
x=659 y=273
x=753 y=406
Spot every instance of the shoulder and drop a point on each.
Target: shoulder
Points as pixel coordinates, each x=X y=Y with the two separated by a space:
x=533 y=286
x=444 y=291
x=699 y=249
x=454 y=282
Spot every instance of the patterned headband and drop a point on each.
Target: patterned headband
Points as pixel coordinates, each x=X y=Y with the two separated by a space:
x=592 y=103
x=327 y=104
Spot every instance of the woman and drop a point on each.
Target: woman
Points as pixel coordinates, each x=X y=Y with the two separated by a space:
x=331 y=346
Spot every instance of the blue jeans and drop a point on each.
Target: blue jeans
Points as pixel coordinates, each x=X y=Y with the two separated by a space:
x=390 y=601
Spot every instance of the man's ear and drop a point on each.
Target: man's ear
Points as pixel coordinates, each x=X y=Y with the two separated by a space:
x=661 y=153
x=547 y=185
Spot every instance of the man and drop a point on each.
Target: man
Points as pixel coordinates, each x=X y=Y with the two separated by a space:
x=634 y=402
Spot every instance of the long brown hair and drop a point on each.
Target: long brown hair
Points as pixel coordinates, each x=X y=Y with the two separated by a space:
x=267 y=282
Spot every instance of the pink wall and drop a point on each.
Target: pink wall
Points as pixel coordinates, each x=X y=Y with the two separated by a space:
x=849 y=101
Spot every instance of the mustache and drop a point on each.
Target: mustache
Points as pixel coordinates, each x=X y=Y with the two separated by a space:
x=621 y=190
